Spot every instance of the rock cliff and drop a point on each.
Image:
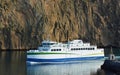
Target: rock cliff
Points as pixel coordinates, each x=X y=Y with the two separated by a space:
x=25 y=23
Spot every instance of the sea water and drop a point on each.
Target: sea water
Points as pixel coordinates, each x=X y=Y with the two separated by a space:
x=14 y=63
x=75 y=68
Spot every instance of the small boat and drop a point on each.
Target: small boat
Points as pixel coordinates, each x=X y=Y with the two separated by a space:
x=72 y=51
x=111 y=64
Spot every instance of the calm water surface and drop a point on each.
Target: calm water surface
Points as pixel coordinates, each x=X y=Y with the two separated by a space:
x=80 y=68
x=14 y=63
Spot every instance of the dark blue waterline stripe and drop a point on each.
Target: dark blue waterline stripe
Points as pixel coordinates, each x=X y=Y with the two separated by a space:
x=64 y=59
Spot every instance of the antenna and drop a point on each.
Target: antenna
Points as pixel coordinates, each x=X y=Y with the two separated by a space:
x=111 y=56
x=111 y=52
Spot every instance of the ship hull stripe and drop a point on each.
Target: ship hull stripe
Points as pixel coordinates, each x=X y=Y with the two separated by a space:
x=64 y=59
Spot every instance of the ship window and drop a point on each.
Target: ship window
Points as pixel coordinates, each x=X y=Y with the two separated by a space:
x=55 y=49
x=44 y=49
x=52 y=49
x=51 y=43
x=58 y=49
x=77 y=48
x=47 y=43
x=90 y=48
x=43 y=43
x=73 y=49
x=81 y=48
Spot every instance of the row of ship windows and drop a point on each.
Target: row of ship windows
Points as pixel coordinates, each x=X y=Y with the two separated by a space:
x=82 y=48
x=55 y=49
x=47 y=43
x=74 y=49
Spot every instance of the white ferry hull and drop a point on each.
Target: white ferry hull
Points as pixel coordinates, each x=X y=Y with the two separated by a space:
x=63 y=57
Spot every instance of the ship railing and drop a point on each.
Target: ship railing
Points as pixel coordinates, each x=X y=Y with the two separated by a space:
x=33 y=50
x=100 y=49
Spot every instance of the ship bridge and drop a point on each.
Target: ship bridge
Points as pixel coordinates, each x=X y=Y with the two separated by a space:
x=76 y=42
x=48 y=43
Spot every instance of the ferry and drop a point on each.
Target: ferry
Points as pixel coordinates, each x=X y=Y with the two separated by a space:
x=71 y=51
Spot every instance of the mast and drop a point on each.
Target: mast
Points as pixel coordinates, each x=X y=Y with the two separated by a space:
x=111 y=55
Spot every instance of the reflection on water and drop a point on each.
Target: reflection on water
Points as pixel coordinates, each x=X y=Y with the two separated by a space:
x=81 y=68
x=13 y=63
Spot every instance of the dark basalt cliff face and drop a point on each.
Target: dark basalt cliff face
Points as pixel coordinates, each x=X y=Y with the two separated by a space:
x=25 y=23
